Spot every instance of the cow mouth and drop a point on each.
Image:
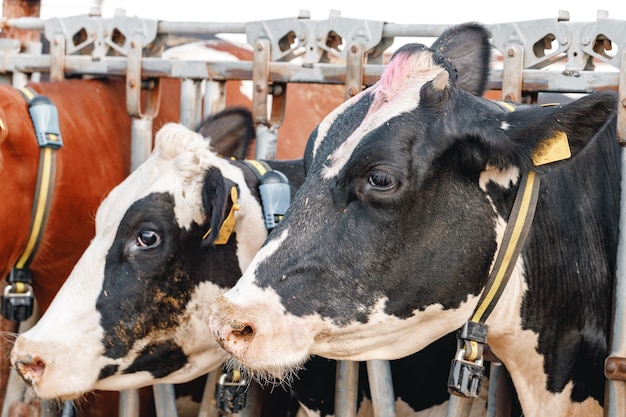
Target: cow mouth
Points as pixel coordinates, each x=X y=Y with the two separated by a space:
x=272 y=375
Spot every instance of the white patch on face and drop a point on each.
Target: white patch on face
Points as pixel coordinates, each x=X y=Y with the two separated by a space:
x=296 y=337
x=326 y=124
x=371 y=340
x=397 y=92
x=404 y=103
x=505 y=125
x=71 y=318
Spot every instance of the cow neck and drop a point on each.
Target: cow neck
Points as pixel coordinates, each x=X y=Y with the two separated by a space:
x=45 y=122
x=467 y=368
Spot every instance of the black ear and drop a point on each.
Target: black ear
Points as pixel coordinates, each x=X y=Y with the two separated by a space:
x=575 y=125
x=468 y=49
x=231 y=131
x=216 y=201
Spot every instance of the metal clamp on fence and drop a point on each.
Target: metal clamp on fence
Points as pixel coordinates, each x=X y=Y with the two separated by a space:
x=467 y=369
x=230 y=392
x=18 y=300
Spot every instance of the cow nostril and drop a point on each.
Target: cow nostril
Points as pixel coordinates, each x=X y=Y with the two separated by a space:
x=30 y=369
x=244 y=331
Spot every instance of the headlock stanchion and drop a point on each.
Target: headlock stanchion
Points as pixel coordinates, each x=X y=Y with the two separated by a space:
x=95 y=46
x=615 y=365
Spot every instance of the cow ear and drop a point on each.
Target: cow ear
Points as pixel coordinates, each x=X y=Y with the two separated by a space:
x=216 y=202
x=568 y=129
x=468 y=49
x=231 y=131
x=434 y=94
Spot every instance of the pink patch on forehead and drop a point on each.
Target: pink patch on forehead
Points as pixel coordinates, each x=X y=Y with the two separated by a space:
x=404 y=70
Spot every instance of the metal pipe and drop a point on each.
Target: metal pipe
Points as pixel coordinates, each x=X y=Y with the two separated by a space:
x=201 y=28
x=346 y=388
x=129 y=403
x=381 y=387
x=207 y=407
x=191 y=102
x=459 y=406
x=615 y=403
x=165 y=400
x=141 y=141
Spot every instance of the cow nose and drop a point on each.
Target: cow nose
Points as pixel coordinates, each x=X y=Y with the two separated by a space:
x=30 y=368
x=233 y=334
x=242 y=331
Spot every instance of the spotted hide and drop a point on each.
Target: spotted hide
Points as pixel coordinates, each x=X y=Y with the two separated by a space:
x=138 y=291
x=391 y=239
x=141 y=291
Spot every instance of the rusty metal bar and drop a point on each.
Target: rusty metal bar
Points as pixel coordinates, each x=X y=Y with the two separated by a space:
x=533 y=80
x=354 y=70
x=615 y=365
x=512 y=73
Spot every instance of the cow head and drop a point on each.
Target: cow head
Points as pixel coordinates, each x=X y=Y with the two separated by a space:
x=132 y=312
x=392 y=236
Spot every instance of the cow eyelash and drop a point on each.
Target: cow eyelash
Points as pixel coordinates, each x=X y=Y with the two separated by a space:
x=381 y=179
x=147 y=239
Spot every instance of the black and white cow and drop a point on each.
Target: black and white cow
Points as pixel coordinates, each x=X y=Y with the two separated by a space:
x=134 y=310
x=390 y=241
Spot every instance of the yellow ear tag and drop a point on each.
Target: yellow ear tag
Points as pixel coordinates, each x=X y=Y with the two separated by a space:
x=229 y=223
x=551 y=150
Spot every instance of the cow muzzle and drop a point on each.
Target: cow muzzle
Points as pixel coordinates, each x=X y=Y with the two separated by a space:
x=29 y=368
x=254 y=334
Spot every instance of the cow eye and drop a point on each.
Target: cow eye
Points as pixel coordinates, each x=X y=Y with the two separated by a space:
x=382 y=180
x=148 y=239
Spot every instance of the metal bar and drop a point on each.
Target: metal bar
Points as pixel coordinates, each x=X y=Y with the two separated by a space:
x=616 y=389
x=140 y=141
x=354 y=70
x=191 y=103
x=202 y=28
x=207 y=407
x=459 y=406
x=381 y=387
x=129 y=403
x=260 y=80
x=165 y=400
x=533 y=80
x=346 y=388
x=512 y=74
x=214 y=97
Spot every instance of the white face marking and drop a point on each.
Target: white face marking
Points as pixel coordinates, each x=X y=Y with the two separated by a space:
x=295 y=337
x=505 y=125
x=393 y=95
